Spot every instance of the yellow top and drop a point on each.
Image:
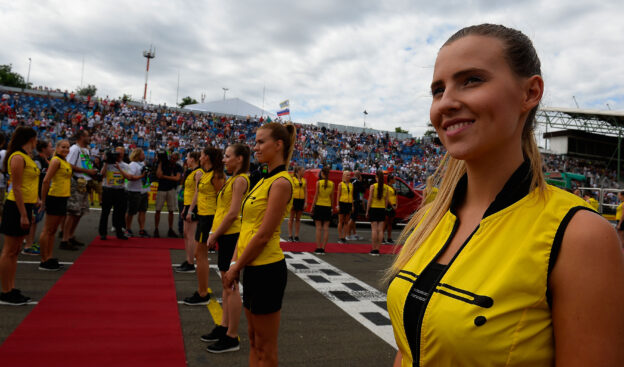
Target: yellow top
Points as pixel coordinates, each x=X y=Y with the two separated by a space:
x=189 y=187
x=618 y=211
x=298 y=185
x=324 y=194
x=61 y=181
x=252 y=214
x=491 y=303
x=392 y=197
x=346 y=192
x=30 y=179
x=206 y=195
x=593 y=203
x=224 y=201
x=376 y=202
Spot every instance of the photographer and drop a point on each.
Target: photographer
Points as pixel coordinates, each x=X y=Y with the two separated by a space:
x=138 y=189
x=114 y=193
x=169 y=174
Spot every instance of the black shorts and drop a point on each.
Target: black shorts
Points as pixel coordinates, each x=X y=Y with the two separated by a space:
x=55 y=205
x=298 y=204
x=345 y=208
x=264 y=287
x=137 y=202
x=10 y=225
x=194 y=218
x=377 y=214
x=322 y=213
x=203 y=228
x=356 y=210
x=390 y=212
x=227 y=244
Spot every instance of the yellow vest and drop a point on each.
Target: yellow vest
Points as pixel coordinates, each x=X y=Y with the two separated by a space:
x=298 y=192
x=490 y=306
x=379 y=203
x=346 y=192
x=594 y=203
x=206 y=195
x=189 y=187
x=61 y=181
x=392 y=197
x=252 y=214
x=30 y=179
x=618 y=211
x=224 y=201
x=324 y=194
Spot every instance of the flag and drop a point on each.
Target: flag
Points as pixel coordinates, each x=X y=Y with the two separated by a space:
x=283 y=112
x=284 y=104
x=366 y=113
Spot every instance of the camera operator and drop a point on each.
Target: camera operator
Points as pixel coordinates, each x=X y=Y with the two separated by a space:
x=114 y=193
x=138 y=189
x=78 y=203
x=169 y=174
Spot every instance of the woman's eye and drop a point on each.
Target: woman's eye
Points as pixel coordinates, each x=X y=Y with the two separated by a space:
x=436 y=91
x=472 y=80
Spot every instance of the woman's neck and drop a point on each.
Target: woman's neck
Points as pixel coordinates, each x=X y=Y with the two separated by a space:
x=275 y=163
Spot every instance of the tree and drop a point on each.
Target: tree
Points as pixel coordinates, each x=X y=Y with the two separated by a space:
x=186 y=101
x=399 y=130
x=11 y=79
x=430 y=131
x=126 y=98
x=88 y=91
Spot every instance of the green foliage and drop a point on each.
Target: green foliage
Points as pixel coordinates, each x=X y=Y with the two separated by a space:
x=11 y=79
x=126 y=98
x=186 y=101
x=88 y=91
x=430 y=131
x=398 y=129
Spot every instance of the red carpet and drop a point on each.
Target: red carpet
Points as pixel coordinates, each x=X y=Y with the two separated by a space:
x=116 y=306
x=138 y=242
x=350 y=248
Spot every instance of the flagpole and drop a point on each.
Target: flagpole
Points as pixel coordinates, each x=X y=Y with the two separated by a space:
x=263 y=91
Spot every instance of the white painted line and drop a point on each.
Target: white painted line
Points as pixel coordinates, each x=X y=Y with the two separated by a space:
x=39 y=262
x=353 y=296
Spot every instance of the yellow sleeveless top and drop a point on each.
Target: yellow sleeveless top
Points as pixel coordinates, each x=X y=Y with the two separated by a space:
x=30 y=179
x=379 y=203
x=346 y=192
x=189 y=187
x=206 y=195
x=252 y=213
x=298 y=192
x=61 y=181
x=618 y=211
x=324 y=194
x=490 y=306
x=392 y=196
x=224 y=201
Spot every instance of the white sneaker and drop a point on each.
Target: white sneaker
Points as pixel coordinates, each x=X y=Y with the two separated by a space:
x=358 y=237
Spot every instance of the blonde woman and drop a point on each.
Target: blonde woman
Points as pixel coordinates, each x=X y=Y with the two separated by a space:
x=502 y=269
x=376 y=211
x=344 y=198
x=299 y=202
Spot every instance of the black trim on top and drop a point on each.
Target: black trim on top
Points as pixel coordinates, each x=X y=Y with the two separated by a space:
x=275 y=171
x=556 y=246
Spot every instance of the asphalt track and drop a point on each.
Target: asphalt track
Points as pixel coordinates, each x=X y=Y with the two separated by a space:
x=332 y=314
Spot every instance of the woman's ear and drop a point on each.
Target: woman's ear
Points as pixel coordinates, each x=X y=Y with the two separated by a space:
x=533 y=91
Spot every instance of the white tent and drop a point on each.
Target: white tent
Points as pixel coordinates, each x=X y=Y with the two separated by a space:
x=231 y=106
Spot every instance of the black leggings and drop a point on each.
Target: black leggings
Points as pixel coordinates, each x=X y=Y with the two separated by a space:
x=117 y=199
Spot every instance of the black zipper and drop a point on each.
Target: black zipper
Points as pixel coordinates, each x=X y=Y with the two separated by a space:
x=416 y=354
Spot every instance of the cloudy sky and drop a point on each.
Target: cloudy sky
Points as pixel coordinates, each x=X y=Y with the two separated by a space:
x=332 y=59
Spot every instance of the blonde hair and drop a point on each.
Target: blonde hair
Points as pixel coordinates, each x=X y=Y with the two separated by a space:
x=450 y=170
x=287 y=133
x=136 y=153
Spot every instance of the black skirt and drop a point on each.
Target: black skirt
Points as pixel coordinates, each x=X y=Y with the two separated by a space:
x=10 y=225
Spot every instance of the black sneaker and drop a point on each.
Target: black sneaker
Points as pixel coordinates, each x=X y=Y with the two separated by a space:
x=74 y=242
x=296 y=238
x=103 y=237
x=65 y=245
x=390 y=241
x=156 y=234
x=13 y=298
x=290 y=239
x=121 y=236
x=197 y=300
x=185 y=267
x=318 y=251
x=172 y=234
x=224 y=344
x=143 y=233
x=217 y=333
x=374 y=253
x=50 y=265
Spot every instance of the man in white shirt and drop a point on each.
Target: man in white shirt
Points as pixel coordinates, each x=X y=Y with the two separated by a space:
x=78 y=203
x=138 y=189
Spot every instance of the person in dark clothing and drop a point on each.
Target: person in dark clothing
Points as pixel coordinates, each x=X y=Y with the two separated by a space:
x=358 y=194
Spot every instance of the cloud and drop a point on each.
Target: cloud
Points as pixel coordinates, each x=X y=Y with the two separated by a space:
x=331 y=59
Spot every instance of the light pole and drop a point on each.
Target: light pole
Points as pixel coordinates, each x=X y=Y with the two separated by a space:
x=148 y=55
x=224 y=91
x=28 y=75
